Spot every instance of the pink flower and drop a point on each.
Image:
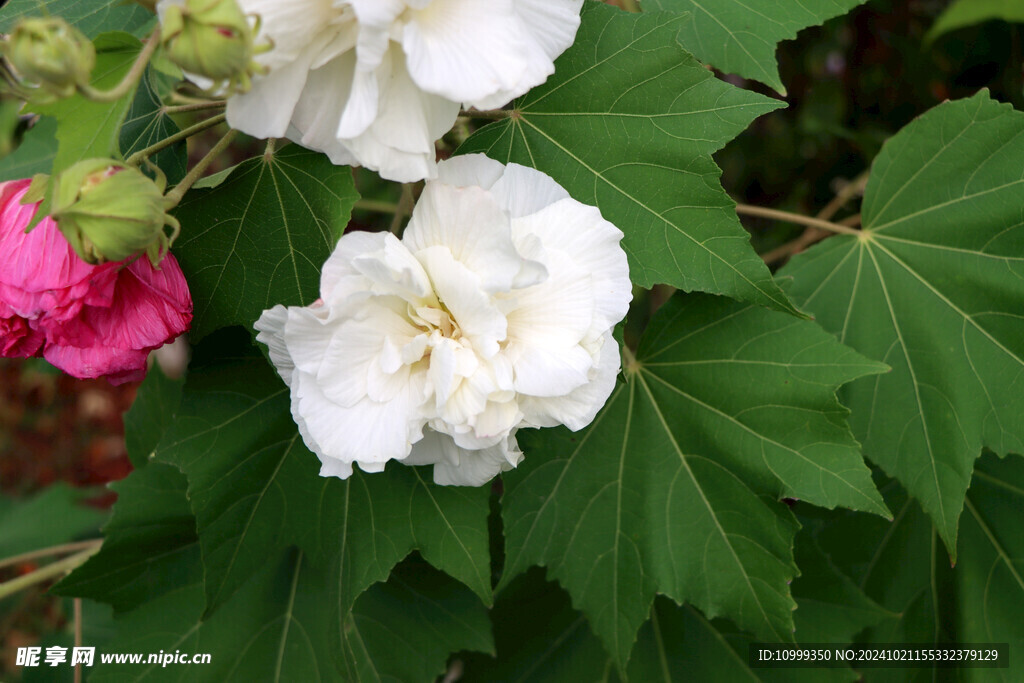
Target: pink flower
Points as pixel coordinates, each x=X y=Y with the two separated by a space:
x=89 y=321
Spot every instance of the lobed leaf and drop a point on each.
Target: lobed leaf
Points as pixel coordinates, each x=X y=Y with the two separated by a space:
x=934 y=287
x=740 y=36
x=628 y=123
x=260 y=237
x=674 y=488
x=91 y=18
x=963 y=13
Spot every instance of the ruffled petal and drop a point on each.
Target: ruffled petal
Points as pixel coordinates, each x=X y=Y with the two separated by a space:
x=454 y=466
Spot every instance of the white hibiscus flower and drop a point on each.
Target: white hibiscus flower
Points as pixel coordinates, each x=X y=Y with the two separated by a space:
x=494 y=312
x=376 y=82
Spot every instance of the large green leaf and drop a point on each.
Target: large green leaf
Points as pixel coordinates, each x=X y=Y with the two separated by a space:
x=276 y=629
x=541 y=638
x=934 y=286
x=260 y=237
x=254 y=489
x=53 y=516
x=150 y=415
x=905 y=568
x=969 y=12
x=675 y=486
x=628 y=123
x=404 y=630
x=149 y=547
x=92 y=17
x=35 y=154
x=740 y=36
x=87 y=129
x=147 y=122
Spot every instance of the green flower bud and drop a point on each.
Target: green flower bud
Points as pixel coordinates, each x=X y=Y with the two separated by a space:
x=52 y=53
x=108 y=211
x=210 y=38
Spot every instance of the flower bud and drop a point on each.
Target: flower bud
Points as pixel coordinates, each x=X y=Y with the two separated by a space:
x=108 y=211
x=209 y=38
x=52 y=53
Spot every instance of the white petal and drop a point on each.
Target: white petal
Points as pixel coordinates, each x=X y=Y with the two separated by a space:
x=522 y=191
x=551 y=372
x=364 y=433
x=462 y=291
x=454 y=466
x=265 y=111
x=471 y=170
x=465 y=50
x=339 y=279
x=578 y=408
x=394 y=270
x=576 y=234
x=290 y=25
x=557 y=313
x=271 y=332
x=470 y=224
x=550 y=27
x=361 y=108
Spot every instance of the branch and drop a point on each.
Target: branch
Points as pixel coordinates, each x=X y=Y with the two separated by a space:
x=787 y=217
x=50 y=571
x=130 y=78
x=493 y=114
x=810 y=236
x=63 y=549
x=137 y=158
x=173 y=198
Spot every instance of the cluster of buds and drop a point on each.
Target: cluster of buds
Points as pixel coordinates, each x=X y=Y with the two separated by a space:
x=50 y=53
x=211 y=39
x=109 y=211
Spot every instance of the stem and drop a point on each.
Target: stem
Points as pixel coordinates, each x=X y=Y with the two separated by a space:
x=130 y=79
x=173 y=198
x=376 y=206
x=138 y=157
x=493 y=114
x=63 y=549
x=78 y=636
x=50 y=571
x=786 y=216
x=851 y=190
x=403 y=209
x=809 y=237
x=196 y=106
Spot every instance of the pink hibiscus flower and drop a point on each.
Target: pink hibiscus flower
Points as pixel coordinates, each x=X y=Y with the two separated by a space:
x=89 y=321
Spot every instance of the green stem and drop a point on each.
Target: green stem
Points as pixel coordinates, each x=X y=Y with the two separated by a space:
x=138 y=157
x=63 y=549
x=376 y=206
x=196 y=106
x=786 y=216
x=493 y=114
x=50 y=571
x=130 y=79
x=173 y=198
x=404 y=208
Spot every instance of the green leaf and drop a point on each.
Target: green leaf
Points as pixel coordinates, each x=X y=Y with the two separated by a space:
x=254 y=489
x=51 y=517
x=146 y=123
x=628 y=123
x=740 y=37
x=151 y=413
x=87 y=129
x=969 y=12
x=674 y=487
x=934 y=287
x=35 y=154
x=540 y=638
x=904 y=567
x=91 y=18
x=276 y=628
x=404 y=630
x=150 y=543
x=260 y=237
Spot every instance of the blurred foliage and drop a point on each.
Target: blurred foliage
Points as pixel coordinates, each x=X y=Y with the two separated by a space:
x=852 y=83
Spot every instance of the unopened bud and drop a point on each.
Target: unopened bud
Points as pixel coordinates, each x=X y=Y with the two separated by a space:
x=52 y=53
x=209 y=38
x=109 y=211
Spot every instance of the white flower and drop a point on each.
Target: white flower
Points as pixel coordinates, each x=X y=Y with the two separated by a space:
x=494 y=312
x=376 y=82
